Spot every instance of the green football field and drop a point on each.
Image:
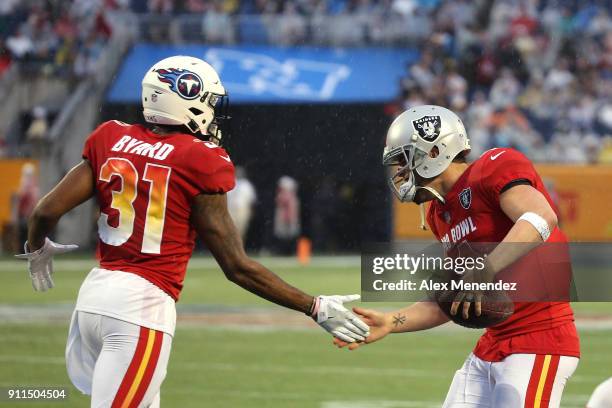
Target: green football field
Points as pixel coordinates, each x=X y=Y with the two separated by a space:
x=232 y=349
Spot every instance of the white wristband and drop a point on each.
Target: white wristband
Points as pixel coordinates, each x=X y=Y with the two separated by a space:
x=538 y=223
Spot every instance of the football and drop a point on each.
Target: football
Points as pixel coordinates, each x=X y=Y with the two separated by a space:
x=496 y=307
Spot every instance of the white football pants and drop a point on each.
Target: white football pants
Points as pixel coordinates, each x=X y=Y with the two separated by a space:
x=520 y=380
x=120 y=364
x=602 y=396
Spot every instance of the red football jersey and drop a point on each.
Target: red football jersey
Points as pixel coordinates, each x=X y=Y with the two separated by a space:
x=472 y=213
x=145 y=185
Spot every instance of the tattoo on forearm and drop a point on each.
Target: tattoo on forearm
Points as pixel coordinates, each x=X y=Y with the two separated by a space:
x=398 y=320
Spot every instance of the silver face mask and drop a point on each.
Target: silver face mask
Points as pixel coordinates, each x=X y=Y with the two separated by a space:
x=403 y=187
x=403 y=182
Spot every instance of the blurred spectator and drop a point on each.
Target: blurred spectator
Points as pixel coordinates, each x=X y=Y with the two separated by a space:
x=3 y=148
x=20 y=45
x=413 y=97
x=581 y=114
x=291 y=25
x=196 y=6
x=25 y=199
x=7 y=6
x=422 y=71
x=39 y=126
x=88 y=55
x=240 y=202
x=161 y=6
x=286 y=215
x=505 y=90
x=326 y=219
x=215 y=25
x=5 y=58
x=605 y=155
x=477 y=117
x=559 y=77
x=456 y=88
x=523 y=24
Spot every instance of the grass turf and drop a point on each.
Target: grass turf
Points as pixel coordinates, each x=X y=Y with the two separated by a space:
x=216 y=367
x=235 y=368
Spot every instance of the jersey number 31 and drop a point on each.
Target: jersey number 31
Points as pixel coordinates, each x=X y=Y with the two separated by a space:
x=123 y=201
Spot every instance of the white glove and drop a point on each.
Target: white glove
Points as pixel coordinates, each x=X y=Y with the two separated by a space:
x=331 y=315
x=40 y=263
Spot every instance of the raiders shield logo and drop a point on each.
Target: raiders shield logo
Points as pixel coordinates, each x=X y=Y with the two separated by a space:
x=428 y=127
x=465 y=197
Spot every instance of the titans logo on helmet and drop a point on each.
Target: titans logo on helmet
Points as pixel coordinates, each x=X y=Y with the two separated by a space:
x=183 y=82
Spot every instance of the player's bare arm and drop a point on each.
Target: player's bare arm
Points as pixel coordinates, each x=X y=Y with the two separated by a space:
x=216 y=228
x=530 y=231
x=75 y=188
x=416 y=317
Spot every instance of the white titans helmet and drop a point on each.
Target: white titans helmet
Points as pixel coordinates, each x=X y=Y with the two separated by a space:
x=410 y=139
x=187 y=91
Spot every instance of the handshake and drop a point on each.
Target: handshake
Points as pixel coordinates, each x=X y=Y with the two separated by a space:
x=330 y=313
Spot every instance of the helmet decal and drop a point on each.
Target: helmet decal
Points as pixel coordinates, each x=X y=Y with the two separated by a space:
x=428 y=127
x=186 y=84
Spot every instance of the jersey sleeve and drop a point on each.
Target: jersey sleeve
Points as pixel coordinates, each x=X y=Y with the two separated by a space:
x=93 y=143
x=503 y=168
x=212 y=170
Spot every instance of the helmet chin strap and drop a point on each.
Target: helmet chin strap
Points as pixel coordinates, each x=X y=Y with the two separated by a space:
x=437 y=195
x=434 y=192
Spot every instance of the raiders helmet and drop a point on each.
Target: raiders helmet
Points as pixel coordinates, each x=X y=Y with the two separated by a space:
x=410 y=139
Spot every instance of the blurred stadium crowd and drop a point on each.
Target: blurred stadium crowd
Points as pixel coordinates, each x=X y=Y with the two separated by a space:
x=532 y=74
x=62 y=38
x=536 y=76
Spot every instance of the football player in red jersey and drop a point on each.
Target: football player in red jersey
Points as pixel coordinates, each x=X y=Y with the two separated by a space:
x=157 y=188
x=526 y=360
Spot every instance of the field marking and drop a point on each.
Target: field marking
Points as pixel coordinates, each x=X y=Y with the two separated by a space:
x=380 y=404
x=36 y=360
x=250 y=319
x=318 y=370
x=273 y=369
x=84 y=265
x=569 y=400
x=242 y=394
x=280 y=368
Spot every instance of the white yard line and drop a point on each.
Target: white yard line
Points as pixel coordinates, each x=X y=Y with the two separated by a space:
x=35 y=360
x=263 y=319
x=380 y=404
x=232 y=367
x=342 y=261
x=281 y=369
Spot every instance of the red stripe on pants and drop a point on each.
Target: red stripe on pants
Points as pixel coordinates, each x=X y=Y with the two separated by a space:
x=550 y=381
x=128 y=378
x=532 y=388
x=149 y=371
